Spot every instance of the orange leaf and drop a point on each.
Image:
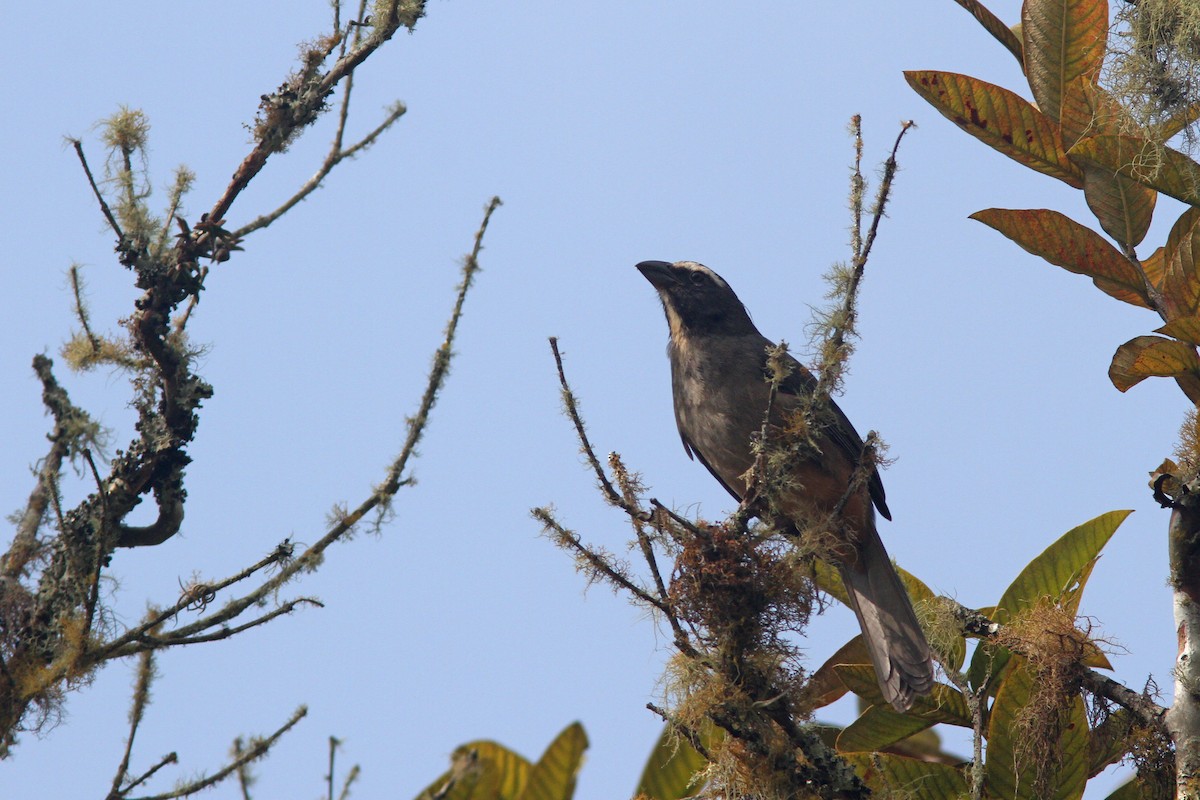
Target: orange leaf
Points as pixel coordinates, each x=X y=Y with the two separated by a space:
x=1157 y=166
x=1123 y=207
x=993 y=25
x=1186 y=329
x=1148 y=356
x=1181 y=281
x=1177 y=122
x=825 y=686
x=1064 y=40
x=1067 y=244
x=1154 y=266
x=1088 y=110
x=998 y=118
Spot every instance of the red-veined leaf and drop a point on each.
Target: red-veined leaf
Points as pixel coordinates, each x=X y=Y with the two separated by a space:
x=1067 y=244
x=998 y=117
x=996 y=27
x=1064 y=40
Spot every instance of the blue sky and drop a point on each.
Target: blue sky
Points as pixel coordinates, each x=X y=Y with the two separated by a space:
x=614 y=133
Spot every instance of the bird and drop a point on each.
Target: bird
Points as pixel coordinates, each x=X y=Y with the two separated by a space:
x=721 y=383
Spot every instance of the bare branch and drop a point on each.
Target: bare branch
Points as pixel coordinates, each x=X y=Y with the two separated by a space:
x=141 y=699
x=104 y=209
x=595 y=561
x=571 y=406
x=304 y=102
x=257 y=749
x=835 y=347
x=169 y=758
x=335 y=156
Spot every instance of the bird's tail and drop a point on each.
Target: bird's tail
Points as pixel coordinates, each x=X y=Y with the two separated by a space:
x=893 y=636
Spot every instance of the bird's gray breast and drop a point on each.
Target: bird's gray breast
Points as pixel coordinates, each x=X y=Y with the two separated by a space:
x=720 y=400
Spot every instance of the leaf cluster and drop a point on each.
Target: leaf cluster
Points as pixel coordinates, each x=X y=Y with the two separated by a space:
x=1078 y=132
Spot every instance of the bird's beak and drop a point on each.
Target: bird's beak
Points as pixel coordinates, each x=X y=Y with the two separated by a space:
x=659 y=273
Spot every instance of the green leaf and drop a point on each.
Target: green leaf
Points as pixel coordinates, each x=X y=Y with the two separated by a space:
x=893 y=775
x=826 y=576
x=1129 y=790
x=1152 y=356
x=1064 y=40
x=1065 y=243
x=1150 y=164
x=1092 y=656
x=1009 y=772
x=1057 y=570
x=674 y=764
x=878 y=728
x=553 y=776
x=1108 y=743
x=1000 y=119
x=481 y=770
x=993 y=25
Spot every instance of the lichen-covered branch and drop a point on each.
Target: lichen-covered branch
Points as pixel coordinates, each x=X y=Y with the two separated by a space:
x=54 y=632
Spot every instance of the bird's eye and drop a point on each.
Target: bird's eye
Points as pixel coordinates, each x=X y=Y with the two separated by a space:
x=697 y=278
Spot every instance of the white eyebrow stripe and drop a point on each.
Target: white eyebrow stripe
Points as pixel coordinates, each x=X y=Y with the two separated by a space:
x=696 y=266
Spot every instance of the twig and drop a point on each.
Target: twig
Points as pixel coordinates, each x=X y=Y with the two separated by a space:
x=225 y=633
x=342 y=526
x=257 y=750
x=571 y=406
x=351 y=777
x=141 y=698
x=858 y=186
x=335 y=156
x=309 y=101
x=169 y=758
x=833 y=349
x=280 y=553
x=244 y=776
x=682 y=521
x=596 y=562
x=975 y=704
x=108 y=215
x=441 y=364
x=683 y=730
x=94 y=592
x=25 y=545
x=630 y=490
x=81 y=307
x=333 y=746
x=1146 y=710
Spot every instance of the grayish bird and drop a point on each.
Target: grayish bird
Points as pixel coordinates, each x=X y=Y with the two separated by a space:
x=721 y=384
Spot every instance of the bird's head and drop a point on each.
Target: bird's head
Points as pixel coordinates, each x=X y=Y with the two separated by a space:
x=697 y=300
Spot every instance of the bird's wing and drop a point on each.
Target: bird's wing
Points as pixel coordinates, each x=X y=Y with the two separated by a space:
x=799 y=383
x=695 y=454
